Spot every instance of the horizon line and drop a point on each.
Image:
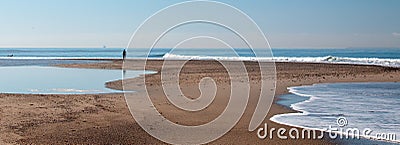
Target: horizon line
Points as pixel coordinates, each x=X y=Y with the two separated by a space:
x=97 y=47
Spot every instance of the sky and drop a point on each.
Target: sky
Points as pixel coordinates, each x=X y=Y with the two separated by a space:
x=286 y=23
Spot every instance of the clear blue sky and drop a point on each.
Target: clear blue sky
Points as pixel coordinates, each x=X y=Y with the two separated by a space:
x=287 y=23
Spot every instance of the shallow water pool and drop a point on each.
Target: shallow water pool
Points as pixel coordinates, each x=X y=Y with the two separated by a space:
x=56 y=80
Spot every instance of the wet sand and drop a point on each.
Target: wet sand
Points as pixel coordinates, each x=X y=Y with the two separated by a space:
x=105 y=118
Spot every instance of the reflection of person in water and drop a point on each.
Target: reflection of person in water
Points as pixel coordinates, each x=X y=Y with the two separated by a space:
x=123 y=55
x=123 y=59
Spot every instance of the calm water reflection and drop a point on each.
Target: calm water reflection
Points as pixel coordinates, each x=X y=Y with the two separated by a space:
x=55 y=80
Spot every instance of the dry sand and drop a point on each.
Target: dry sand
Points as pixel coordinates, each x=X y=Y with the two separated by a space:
x=105 y=118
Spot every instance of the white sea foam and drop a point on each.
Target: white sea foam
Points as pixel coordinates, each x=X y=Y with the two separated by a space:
x=326 y=59
x=75 y=90
x=65 y=90
x=364 y=105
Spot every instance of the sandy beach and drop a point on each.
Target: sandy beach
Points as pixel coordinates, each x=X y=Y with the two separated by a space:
x=105 y=118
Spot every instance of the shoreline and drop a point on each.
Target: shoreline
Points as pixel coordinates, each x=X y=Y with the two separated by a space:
x=306 y=98
x=288 y=74
x=386 y=62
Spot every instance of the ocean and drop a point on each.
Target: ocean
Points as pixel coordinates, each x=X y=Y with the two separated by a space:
x=345 y=106
x=370 y=56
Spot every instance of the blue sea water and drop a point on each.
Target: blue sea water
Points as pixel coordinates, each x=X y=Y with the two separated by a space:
x=363 y=105
x=384 y=53
x=370 y=56
x=60 y=52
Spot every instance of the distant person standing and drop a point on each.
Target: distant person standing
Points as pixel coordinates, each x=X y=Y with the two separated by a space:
x=123 y=55
x=123 y=60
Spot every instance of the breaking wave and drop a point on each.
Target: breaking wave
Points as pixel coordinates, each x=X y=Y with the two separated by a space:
x=326 y=59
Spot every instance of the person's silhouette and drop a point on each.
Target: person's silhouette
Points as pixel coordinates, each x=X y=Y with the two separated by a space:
x=123 y=60
x=123 y=55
